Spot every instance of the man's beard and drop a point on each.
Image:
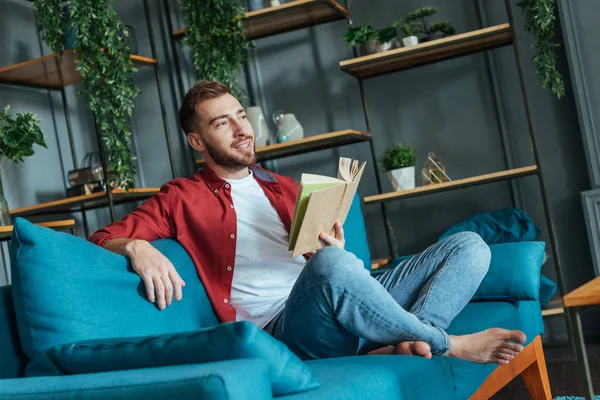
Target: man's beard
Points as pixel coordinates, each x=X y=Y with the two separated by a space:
x=227 y=159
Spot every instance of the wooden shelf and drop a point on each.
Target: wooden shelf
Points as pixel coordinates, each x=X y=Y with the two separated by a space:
x=585 y=295
x=89 y=201
x=48 y=72
x=553 y=307
x=461 y=183
x=7 y=230
x=308 y=144
x=428 y=52
x=287 y=17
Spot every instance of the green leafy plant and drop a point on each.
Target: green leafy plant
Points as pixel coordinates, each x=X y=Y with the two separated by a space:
x=103 y=60
x=17 y=136
x=416 y=23
x=398 y=156
x=539 y=21
x=216 y=39
x=361 y=34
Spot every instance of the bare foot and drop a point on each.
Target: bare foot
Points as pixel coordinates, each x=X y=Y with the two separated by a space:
x=489 y=346
x=420 y=349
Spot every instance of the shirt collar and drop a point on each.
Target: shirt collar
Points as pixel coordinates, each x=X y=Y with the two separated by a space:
x=215 y=182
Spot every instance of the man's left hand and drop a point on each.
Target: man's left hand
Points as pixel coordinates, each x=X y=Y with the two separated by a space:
x=338 y=240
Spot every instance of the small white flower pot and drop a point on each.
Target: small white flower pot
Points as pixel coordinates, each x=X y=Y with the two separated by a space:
x=402 y=179
x=410 y=41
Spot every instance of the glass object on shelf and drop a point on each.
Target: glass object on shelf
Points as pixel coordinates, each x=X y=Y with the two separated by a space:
x=433 y=171
x=255 y=5
x=288 y=127
x=259 y=126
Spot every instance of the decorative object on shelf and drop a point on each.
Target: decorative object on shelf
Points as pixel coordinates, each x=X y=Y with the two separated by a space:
x=410 y=30
x=539 y=21
x=17 y=137
x=288 y=127
x=255 y=5
x=88 y=178
x=372 y=41
x=415 y=23
x=275 y=3
x=259 y=126
x=399 y=163
x=99 y=46
x=216 y=39
x=433 y=171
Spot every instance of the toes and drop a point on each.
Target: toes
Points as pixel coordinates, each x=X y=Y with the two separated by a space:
x=513 y=347
x=516 y=336
x=509 y=352
x=420 y=349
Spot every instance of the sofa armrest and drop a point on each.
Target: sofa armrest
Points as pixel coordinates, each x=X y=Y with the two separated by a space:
x=232 y=380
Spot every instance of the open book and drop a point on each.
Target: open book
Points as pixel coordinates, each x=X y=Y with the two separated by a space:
x=321 y=202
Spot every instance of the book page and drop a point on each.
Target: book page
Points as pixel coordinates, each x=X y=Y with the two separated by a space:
x=302 y=204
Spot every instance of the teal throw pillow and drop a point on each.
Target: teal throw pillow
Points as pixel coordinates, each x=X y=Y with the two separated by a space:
x=514 y=272
x=224 y=342
x=66 y=289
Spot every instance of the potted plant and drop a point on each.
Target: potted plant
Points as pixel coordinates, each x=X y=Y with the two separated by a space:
x=416 y=23
x=372 y=41
x=410 y=33
x=17 y=137
x=399 y=163
x=216 y=40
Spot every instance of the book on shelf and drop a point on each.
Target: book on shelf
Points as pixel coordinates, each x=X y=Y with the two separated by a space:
x=321 y=201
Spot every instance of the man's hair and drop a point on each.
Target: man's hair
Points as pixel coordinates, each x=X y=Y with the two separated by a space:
x=203 y=90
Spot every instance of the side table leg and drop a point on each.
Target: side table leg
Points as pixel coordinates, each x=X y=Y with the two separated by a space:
x=582 y=355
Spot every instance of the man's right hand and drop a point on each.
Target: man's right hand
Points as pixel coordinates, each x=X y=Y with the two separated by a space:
x=160 y=277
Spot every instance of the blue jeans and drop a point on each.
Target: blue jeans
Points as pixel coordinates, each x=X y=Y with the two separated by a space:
x=336 y=308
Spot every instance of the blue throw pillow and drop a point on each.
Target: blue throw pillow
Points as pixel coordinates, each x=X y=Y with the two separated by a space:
x=224 y=342
x=499 y=226
x=514 y=272
x=66 y=289
x=356 y=234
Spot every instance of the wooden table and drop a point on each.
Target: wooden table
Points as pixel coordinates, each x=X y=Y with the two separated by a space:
x=583 y=296
x=68 y=224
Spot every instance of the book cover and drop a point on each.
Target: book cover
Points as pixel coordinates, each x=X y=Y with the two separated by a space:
x=321 y=201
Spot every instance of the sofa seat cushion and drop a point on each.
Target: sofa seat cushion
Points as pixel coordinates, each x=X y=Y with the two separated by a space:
x=227 y=341
x=406 y=377
x=66 y=289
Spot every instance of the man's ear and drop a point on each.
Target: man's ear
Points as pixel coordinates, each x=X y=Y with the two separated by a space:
x=195 y=141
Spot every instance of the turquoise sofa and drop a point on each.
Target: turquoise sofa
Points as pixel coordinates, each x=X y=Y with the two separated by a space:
x=68 y=290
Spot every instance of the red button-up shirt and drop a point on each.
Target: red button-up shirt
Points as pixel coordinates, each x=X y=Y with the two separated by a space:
x=199 y=213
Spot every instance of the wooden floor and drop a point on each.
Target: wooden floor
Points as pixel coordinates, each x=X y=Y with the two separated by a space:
x=564 y=377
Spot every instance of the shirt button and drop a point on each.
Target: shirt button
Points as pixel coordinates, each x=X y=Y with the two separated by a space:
x=232 y=236
x=216 y=191
x=227 y=185
x=229 y=268
x=224 y=300
x=231 y=206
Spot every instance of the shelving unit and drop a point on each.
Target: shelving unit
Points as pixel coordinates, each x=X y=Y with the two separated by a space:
x=308 y=144
x=53 y=72
x=486 y=39
x=6 y=231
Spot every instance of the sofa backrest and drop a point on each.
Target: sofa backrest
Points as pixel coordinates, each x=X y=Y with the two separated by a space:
x=12 y=359
x=66 y=289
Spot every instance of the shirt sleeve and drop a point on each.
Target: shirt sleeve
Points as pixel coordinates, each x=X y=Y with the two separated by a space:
x=151 y=221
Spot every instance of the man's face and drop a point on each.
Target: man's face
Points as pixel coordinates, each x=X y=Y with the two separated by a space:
x=225 y=133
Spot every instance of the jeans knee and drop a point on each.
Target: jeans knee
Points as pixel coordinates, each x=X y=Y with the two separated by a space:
x=475 y=250
x=334 y=264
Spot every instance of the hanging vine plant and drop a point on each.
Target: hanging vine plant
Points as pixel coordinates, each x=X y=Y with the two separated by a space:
x=539 y=21
x=216 y=40
x=102 y=59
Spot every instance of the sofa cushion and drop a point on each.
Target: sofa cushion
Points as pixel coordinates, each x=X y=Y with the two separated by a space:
x=355 y=233
x=66 y=289
x=514 y=272
x=13 y=359
x=224 y=342
x=246 y=379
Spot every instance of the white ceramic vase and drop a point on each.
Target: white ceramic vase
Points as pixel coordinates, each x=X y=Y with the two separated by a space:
x=410 y=41
x=402 y=179
x=259 y=126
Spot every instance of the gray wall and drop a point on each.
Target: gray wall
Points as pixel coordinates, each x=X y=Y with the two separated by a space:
x=459 y=109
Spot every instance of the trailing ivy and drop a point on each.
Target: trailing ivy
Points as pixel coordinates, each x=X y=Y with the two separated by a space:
x=539 y=21
x=216 y=40
x=102 y=59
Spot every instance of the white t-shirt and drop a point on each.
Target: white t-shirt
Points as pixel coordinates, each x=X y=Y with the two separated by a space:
x=264 y=271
